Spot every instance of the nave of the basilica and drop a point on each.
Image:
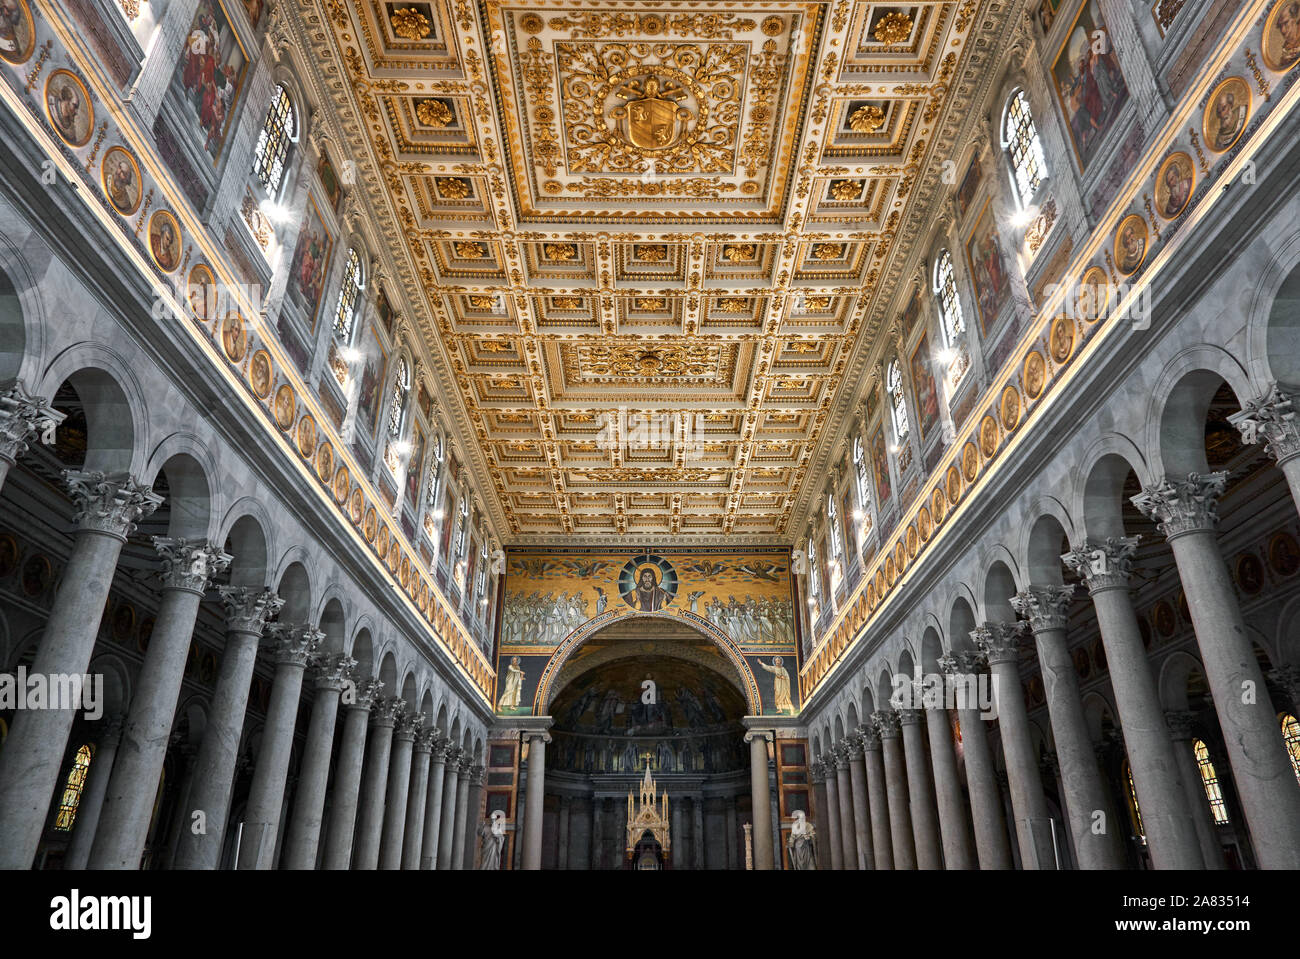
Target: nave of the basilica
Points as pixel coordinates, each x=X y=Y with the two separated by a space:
x=591 y=435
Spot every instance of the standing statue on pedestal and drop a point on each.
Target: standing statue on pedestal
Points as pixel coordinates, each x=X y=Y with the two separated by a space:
x=801 y=842
x=492 y=839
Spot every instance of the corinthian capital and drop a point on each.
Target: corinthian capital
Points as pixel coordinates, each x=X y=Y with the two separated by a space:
x=868 y=737
x=408 y=725
x=23 y=416
x=1270 y=419
x=451 y=754
x=109 y=503
x=248 y=609
x=1185 y=506
x=1000 y=642
x=331 y=672
x=426 y=740
x=886 y=723
x=293 y=643
x=1104 y=566
x=368 y=691
x=387 y=710
x=189 y=564
x=1045 y=607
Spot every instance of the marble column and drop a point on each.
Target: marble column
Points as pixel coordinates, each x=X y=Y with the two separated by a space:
x=987 y=820
x=598 y=836
x=821 y=811
x=760 y=796
x=844 y=790
x=537 y=741
x=1047 y=608
x=1166 y=813
x=384 y=714
x=697 y=832
x=450 y=783
x=733 y=850
x=397 y=793
x=1000 y=643
x=1188 y=511
x=92 y=798
x=882 y=845
x=1271 y=419
x=330 y=675
x=128 y=807
x=463 y=827
x=861 y=801
x=107 y=507
x=416 y=797
x=920 y=791
x=189 y=755
x=433 y=801
x=347 y=775
x=887 y=727
x=474 y=814
x=954 y=829
x=1180 y=732
x=293 y=646
x=834 y=837
x=562 y=839
x=247 y=612
x=23 y=417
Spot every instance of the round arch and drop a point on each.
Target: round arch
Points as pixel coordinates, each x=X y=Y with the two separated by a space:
x=546 y=687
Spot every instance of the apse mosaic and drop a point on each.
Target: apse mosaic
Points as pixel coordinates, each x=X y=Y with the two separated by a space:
x=553 y=598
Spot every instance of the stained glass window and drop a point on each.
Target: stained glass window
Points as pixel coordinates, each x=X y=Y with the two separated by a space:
x=833 y=524
x=860 y=469
x=1024 y=149
x=1291 y=736
x=1210 y=780
x=273 y=142
x=397 y=406
x=1134 y=808
x=894 y=383
x=945 y=289
x=349 y=294
x=72 y=789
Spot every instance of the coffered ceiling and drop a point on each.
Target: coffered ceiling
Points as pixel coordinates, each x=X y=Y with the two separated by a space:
x=649 y=243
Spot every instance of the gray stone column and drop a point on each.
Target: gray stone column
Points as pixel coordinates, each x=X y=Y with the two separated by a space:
x=1166 y=814
x=330 y=675
x=180 y=820
x=92 y=798
x=416 y=798
x=861 y=801
x=1180 y=732
x=247 y=611
x=733 y=851
x=886 y=723
x=991 y=844
x=537 y=741
x=128 y=808
x=848 y=823
x=293 y=645
x=107 y=507
x=598 y=838
x=23 y=417
x=384 y=715
x=472 y=820
x=405 y=730
x=462 y=812
x=433 y=802
x=882 y=845
x=1046 y=608
x=1000 y=643
x=447 y=827
x=1188 y=511
x=920 y=791
x=562 y=840
x=1271 y=419
x=760 y=796
x=954 y=829
x=834 y=837
x=347 y=775
x=821 y=810
x=697 y=831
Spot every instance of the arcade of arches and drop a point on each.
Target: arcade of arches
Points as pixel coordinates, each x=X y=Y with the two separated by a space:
x=561 y=434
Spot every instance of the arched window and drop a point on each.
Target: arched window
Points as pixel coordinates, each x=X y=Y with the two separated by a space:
x=894 y=383
x=945 y=291
x=833 y=523
x=72 y=789
x=435 y=471
x=1210 y=780
x=462 y=532
x=1134 y=809
x=860 y=471
x=345 y=314
x=480 y=577
x=1024 y=149
x=278 y=131
x=397 y=404
x=1291 y=737
x=813 y=575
